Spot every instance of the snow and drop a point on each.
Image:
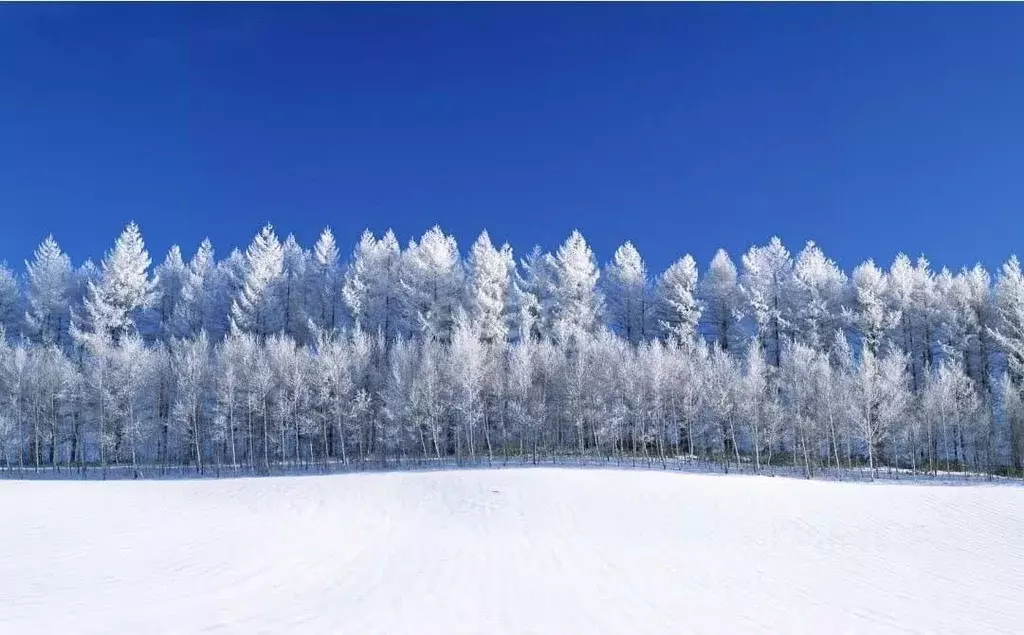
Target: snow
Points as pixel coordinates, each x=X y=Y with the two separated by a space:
x=510 y=551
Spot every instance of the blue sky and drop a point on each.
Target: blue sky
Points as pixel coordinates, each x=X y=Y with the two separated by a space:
x=869 y=128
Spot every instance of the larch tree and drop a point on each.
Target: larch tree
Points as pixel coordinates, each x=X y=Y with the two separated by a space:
x=627 y=294
x=533 y=296
x=113 y=303
x=256 y=307
x=194 y=310
x=882 y=396
x=48 y=293
x=1013 y=413
x=371 y=288
x=467 y=375
x=579 y=303
x=720 y=295
x=768 y=288
x=869 y=314
x=949 y=404
x=1009 y=330
x=819 y=287
x=432 y=283
x=911 y=295
x=293 y=290
x=488 y=286
x=191 y=364
x=11 y=310
x=170 y=276
x=326 y=282
x=677 y=308
x=755 y=392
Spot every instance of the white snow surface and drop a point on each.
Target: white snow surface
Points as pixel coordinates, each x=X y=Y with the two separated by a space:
x=510 y=551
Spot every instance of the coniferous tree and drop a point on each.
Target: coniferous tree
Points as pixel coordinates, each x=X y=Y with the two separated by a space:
x=678 y=309
x=48 y=294
x=257 y=306
x=579 y=305
x=488 y=287
x=113 y=303
x=720 y=297
x=627 y=294
x=325 y=285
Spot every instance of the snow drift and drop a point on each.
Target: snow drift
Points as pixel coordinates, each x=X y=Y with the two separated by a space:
x=510 y=551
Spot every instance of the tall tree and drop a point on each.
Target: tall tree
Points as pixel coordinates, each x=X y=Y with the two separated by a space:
x=432 y=282
x=870 y=315
x=48 y=289
x=720 y=295
x=12 y=310
x=627 y=294
x=257 y=307
x=293 y=290
x=170 y=278
x=194 y=311
x=579 y=304
x=768 y=287
x=112 y=305
x=372 y=285
x=678 y=308
x=326 y=282
x=819 y=288
x=533 y=296
x=489 y=282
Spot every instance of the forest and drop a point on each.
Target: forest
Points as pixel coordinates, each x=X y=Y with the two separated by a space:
x=280 y=357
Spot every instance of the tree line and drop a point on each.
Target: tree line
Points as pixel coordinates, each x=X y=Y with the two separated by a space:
x=286 y=356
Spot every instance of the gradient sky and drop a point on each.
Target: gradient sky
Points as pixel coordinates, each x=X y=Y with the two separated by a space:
x=871 y=129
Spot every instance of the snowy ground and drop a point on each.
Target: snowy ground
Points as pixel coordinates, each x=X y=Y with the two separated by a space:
x=510 y=551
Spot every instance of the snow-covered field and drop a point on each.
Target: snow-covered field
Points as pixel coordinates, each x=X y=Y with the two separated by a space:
x=510 y=551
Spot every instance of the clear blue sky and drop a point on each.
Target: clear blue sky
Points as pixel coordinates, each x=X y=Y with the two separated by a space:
x=869 y=128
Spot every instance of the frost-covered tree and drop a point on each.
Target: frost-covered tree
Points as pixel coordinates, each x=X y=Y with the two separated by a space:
x=578 y=302
x=1009 y=332
x=190 y=413
x=756 y=401
x=257 y=306
x=533 y=297
x=819 y=289
x=194 y=310
x=677 y=308
x=11 y=309
x=293 y=290
x=113 y=303
x=371 y=288
x=468 y=369
x=721 y=386
x=48 y=280
x=489 y=283
x=769 y=290
x=335 y=391
x=225 y=284
x=950 y=404
x=325 y=282
x=170 y=279
x=869 y=314
x=967 y=318
x=1013 y=413
x=911 y=295
x=627 y=294
x=432 y=282
x=129 y=386
x=882 y=394
x=721 y=299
